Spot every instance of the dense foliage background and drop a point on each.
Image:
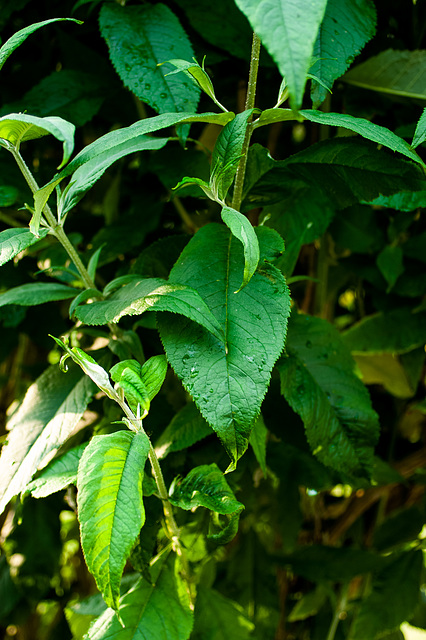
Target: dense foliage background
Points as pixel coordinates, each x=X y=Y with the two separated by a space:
x=330 y=541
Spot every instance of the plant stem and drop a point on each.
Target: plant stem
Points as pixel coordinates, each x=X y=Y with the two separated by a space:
x=251 y=95
x=340 y=608
x=56 y=229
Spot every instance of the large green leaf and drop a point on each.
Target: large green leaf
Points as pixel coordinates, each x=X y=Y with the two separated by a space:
x=20 y=36
x=318 y=381
x=151 y=294
x=19 y=127
x=397 y=331
x=112 y=146
x=288 y=29
x=156 y=610
x=58 y=474
x=28 y=295
x=215 y=615
x=401 y=73
x=48 y=415
x=346 y=27
x=13 y=241
x=186 y=428
x=139 y=39
x=110 y=505
x=388 y=605
x=228 y=382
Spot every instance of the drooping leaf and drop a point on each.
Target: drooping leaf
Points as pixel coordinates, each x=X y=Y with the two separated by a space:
x=13 y=241
x=48 y=415
x=197 y=74
x=243 y=230
x=288 y=30
x=400 y=73
x=258 y=442
x=117 y=144
x=345 y=29
x=151 y=294
x=318 y=381
x=20 y=36
x=154 y=611
x=110 y=505
x=228 y=382
x=140 y=38
x=28 y=295
x=390 y=263
x=186 y=428
x=388 y=605
x=382 y=332
x=20 y=127
x=215 y=615
x=58 y=475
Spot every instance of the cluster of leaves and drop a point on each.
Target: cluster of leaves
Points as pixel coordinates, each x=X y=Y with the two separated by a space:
x=269 y=483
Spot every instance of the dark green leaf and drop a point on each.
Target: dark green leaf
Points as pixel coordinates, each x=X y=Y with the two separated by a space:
x=187 y=427
x=228 y=382
x=390 y=263
x=258 y=442
x=400 y=527
x=215 y=615
x=420 y=133
x=318 y=381
x=35 y=293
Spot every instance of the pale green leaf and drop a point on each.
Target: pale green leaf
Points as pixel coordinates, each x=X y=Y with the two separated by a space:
x=110 y=505
x=215 y=615
x=243 y=230
x=288 y=30
x=58 y=475
x=388 y=605
x=150 y=294
x=401 y=73
x=140 y=39
x=134 y=389
x=319 y=383
x=48 y=415
x=28 y=295
x=13 y=241
x=390 y=263
x=420 y=132
x=117 y=144
x=228 y=382
x=157 y=610
x=186 y=428
x=20 y=127
x=345 y=29
x=258 y=442
x=20 y=36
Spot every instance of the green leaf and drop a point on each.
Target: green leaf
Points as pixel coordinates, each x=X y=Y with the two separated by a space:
x=85 y=295
x=20 y=36
x=228 y=384
x=204 y=486
x=110 y=505
x=405 y=201
x=308 y=605
x=134 y=390
x=13 y=241
x=400 y=73
x=58 y=475
x=390 y=263
x=381 y=332
x=215 y=615
x=153 y=373
x=8 y=196
x=112 y=146
x=140 y=38
x=288 y=30
x=344 y=31
x=227 y=153
x=258 y=442
x=29 y=295
x=20 y=127
x=198 y=75
x=318 y=381
x=151 y=294
x=242 y=229
x=154 y=611
x=356 y=229
x=186 y=428
x=420 y=133
x=48 y=415
x=388 y=605
x=403 y=526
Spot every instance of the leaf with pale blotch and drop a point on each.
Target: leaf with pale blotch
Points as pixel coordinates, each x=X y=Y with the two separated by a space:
x=242 y=229
x=13 y=241
x=228 y=382
x=319 y=383
x=288 y=30
x=110 y=505
x=155 y=610
x=58 y=475
x=47 y=417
